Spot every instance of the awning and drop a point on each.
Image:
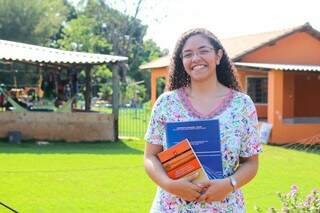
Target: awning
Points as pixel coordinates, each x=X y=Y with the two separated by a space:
x=37 y=54
x=286 y=67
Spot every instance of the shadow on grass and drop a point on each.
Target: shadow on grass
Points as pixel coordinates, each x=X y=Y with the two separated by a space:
x=60 y=147
x=307 y=148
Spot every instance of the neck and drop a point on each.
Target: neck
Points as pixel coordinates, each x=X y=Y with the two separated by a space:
x=204 y=88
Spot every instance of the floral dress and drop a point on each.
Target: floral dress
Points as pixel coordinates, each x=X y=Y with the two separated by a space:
x=239 y=138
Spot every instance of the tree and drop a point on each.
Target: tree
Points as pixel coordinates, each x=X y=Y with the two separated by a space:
x=97 y=25
x=82 y=34
x=32 y=21
x=151 y=51
x=133 y=93
x=126 y=33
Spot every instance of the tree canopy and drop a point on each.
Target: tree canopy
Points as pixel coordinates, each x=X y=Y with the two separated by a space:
x=32 y=21
x=92 y=26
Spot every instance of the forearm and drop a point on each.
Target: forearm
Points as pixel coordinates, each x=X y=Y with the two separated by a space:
x=155 y=171
x=246 y=171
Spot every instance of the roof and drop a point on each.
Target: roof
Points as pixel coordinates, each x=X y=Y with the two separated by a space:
x=286 y=67
x=242 y=45
x=237 y=47
x=157 y=63
x=31 y=53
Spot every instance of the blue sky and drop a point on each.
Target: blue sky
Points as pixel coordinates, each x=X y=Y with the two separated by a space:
x=167 y=19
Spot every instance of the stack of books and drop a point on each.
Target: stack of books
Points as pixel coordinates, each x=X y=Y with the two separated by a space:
x=192 y=146
x=180 y=160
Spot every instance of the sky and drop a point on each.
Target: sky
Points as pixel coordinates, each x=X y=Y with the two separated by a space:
x=168 y=19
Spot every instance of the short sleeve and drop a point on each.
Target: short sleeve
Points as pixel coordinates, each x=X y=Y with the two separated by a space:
x=250 y=143
x=155 y=133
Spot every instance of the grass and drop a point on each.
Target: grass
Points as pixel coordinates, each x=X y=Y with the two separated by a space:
x=109 y=177
x=87 y=177
x=279 y=169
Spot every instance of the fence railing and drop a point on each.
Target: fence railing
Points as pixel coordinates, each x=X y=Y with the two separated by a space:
x=133 y=122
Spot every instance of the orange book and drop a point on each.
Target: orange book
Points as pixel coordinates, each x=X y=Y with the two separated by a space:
x=180 y=161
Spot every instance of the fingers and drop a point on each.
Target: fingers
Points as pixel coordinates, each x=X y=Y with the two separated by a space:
x=205 y=184
x=205 y=198
x=202 y=198
x=191 y=196
x=198 y=189
x=195 y=191
x=192 y=177
x=188 y=190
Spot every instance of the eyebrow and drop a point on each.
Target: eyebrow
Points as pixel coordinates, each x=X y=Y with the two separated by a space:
x=201 y=47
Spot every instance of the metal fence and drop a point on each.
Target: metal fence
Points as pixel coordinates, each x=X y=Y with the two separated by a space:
x=133 y=122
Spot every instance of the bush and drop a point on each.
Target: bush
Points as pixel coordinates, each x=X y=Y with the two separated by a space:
x=292 y=203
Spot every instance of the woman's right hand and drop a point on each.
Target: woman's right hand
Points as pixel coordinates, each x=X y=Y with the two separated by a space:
x=184 y=188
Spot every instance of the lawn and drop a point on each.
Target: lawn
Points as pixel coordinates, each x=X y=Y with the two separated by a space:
x=109 y=177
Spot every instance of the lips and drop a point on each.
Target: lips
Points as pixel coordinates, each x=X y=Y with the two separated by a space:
x=198 y=67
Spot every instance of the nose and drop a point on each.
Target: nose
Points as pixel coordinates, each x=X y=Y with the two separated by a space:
x=195 y=56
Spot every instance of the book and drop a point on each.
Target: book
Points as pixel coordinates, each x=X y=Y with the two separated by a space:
x=180 y=161
x=204 y=138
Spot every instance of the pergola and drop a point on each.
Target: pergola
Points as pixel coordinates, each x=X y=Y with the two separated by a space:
x=44 y=57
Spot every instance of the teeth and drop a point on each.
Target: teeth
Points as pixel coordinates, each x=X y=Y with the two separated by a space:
x=197 y=67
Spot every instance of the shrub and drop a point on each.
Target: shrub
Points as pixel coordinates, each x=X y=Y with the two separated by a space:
x=292 y=203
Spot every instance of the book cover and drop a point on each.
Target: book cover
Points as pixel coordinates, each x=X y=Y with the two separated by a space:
x=180 y=160
x=204 y=137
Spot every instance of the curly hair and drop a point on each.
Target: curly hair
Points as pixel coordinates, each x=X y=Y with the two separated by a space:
x=226 y=71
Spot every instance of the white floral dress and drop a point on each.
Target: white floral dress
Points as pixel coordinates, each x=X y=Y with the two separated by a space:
x=239 y=138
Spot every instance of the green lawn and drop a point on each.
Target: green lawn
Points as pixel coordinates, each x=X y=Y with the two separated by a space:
x=109 y=177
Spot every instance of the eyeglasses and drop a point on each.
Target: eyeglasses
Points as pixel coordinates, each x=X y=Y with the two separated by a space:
x=202 y=52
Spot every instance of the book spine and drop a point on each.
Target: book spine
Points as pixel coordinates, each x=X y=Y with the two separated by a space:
x=173 y=151
x=184 y=169
x=179 y=160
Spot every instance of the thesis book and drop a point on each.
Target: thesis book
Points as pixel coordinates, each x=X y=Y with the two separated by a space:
x=204 y=138
x=180 y=160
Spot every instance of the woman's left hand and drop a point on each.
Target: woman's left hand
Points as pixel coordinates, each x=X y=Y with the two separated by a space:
x=216 y=190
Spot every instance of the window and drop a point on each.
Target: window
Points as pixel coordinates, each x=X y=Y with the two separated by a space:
x=257 y=89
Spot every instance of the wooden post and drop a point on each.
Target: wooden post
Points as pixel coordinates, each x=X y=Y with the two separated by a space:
x=88 y=89
x=115 y=98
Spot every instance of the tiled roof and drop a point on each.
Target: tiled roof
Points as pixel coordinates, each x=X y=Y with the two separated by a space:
x=31 y=53
x=237 y=47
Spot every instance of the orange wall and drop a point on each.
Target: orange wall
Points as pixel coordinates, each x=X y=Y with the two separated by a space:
x=288 y=94
x=307 y=95
x=262 y=109
x=298 y=48
x=296 y=133
x=285 y=133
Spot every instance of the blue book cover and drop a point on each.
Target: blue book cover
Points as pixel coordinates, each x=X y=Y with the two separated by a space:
x=204 y=137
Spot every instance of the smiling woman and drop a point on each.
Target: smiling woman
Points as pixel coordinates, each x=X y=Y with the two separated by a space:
x=200 y=59
x=203 y=85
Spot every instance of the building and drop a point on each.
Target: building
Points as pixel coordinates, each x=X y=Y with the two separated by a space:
x=280 y=70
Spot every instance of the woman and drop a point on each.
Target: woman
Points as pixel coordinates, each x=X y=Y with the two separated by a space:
x=203 y=85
